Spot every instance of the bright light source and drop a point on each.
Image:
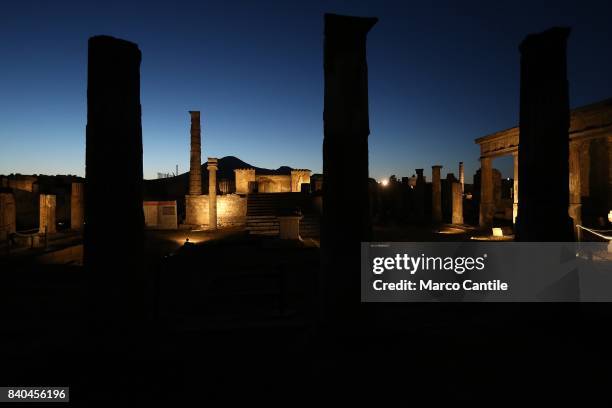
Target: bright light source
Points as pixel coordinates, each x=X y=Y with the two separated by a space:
x=497 y=232
x=384 y=182
x=610 y=216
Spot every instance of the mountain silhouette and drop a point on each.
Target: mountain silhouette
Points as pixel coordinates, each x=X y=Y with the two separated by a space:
x=175 y=188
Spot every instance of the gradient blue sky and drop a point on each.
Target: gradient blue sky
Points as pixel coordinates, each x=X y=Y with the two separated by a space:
x=441 y=74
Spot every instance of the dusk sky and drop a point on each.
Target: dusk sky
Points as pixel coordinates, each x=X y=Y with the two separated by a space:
x=440 y=75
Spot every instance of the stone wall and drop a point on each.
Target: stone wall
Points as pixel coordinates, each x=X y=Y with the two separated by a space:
x=243 y=177
x=274 y=183
x=160 y=214
x=196 y=209
x=20 y=182
x=231 y=210
x=299 y=177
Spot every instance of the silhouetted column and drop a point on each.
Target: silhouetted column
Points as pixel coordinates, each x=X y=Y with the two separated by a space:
x=487 y=204
x=544 y=139
x=76 y=207
x=457 y=203
x=346 y=219
x=46 y=212
x=114 y=228
x=462 y=177
x=195 y=164
x=436 y=194
x=419 y=195
x=8 y=214
x=575 y=205
x=212 y=193
x=515 y=189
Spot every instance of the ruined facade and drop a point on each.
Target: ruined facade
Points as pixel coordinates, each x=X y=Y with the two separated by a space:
x=590 y=163
x=250 y=181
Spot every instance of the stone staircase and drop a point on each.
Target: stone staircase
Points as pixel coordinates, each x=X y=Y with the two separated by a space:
x=262 y=210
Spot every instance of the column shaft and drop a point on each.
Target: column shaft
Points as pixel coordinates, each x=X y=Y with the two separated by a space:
x=195 y=163
x=436 y=194
x=487 y=204
x=346 y=208
x=543 y=151
x=212 y=193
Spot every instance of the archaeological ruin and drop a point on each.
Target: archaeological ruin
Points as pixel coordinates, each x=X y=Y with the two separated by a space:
x=589 y=169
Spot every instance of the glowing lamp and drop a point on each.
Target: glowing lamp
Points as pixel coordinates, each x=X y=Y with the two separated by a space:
x=497 y=232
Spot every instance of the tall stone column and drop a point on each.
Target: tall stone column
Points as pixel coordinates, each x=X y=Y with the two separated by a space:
x=114 y=229
x=346 y=213
x=8 y=214
x=515 y=187
x=212 y=192
x=462 y=177
x=544 y=139
x=575 y=196
x=76 y=207
x=457 y=194
x=195 y=163
x=487 y=203
x=46 y=212
x=419 y=195
x=436 y=194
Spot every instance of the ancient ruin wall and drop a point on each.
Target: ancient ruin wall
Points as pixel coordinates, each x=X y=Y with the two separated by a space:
x=231 y=210
x=243 y=177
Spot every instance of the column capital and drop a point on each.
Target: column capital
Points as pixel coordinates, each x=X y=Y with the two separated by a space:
x=212 y=163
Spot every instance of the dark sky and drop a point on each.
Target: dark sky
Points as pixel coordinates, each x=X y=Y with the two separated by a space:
x=441 y=74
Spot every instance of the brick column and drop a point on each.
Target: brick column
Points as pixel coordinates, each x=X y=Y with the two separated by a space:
x=195 y=164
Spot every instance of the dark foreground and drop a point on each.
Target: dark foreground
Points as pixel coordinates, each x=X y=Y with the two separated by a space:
x=235 y=320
